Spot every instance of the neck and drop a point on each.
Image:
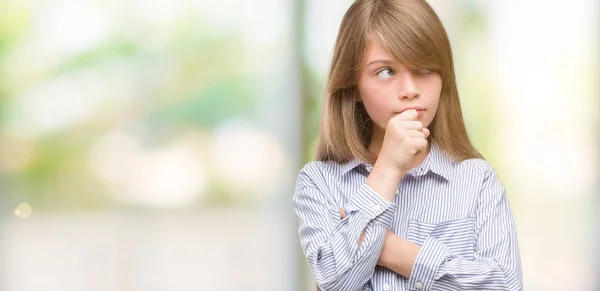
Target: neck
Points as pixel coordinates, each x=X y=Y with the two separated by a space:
x=377 y=142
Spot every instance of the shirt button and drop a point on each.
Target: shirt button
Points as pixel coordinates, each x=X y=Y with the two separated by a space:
x=419 y=285
x=376 y=208
x=386 y=287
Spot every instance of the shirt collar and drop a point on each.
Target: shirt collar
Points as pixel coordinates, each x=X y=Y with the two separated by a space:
x=350 y=165
x=437 y=161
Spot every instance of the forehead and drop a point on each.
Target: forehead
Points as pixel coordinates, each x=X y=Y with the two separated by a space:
x=376 y=51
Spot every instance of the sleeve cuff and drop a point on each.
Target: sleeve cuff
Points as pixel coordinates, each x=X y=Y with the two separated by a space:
x=344 y=247
x=373 y=205
x=431 y=256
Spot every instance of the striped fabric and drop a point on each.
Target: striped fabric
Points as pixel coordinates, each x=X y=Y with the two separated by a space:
x=457 y=212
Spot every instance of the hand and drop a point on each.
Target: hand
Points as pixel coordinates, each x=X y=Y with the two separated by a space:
x=404 y=138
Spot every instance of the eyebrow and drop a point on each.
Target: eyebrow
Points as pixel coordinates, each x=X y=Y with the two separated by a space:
x=380 y=61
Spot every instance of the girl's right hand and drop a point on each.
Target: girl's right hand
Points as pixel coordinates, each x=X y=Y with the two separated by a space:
x=404 y=137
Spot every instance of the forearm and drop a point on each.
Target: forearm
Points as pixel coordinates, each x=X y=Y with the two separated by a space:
x=340 y=268
x=339 y=257
x=399 y=255
x=434 y=264
x=384 y=180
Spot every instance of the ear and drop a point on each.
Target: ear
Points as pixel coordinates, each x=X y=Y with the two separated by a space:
x=357 y=98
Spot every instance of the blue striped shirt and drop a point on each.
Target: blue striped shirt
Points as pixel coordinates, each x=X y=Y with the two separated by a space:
x=457 y=212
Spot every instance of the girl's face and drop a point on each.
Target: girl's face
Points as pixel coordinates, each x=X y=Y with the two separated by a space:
x=388 y=87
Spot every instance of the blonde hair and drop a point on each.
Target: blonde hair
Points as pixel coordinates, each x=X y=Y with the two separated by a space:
x=413 y=33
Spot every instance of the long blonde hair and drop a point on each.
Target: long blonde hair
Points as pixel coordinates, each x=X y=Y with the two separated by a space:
x=413 y=33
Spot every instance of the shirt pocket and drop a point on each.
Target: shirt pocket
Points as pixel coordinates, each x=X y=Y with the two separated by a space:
x=458 y=235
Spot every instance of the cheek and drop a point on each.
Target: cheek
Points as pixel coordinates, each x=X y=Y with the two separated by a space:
x=374 y=100
x=434 y=90
x=373 y=94
x=433 y=97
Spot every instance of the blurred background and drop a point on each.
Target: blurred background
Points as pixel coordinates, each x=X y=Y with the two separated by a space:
x=154 y=145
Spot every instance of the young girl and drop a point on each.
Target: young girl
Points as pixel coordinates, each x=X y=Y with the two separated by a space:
x=398 y=198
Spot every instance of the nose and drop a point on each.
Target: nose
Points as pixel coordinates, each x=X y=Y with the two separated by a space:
x=407 y=86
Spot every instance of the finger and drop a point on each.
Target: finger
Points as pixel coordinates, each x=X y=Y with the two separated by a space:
x=420 y=144
x=407 y=115
x=410 y=114
x=411 y=125
x=342 y=213
x=426 y=132
x=416 y=133
x=408 y=125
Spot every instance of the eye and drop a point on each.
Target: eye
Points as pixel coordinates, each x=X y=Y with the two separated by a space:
x=385 y=73
x=424 y=71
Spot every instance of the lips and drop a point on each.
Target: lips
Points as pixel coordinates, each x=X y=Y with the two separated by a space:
x=418 y=108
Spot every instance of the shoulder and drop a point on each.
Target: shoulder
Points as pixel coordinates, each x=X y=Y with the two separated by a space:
x=476 y=167
x=317 y=179
x=481 y=175
x=477 y=173
x=320 y=171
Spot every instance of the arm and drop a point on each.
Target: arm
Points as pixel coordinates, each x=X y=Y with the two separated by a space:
x=331 y=244
x=497 y=263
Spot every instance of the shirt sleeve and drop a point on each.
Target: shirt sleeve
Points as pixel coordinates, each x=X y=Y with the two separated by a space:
x=496 y=264
x=330 y=244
